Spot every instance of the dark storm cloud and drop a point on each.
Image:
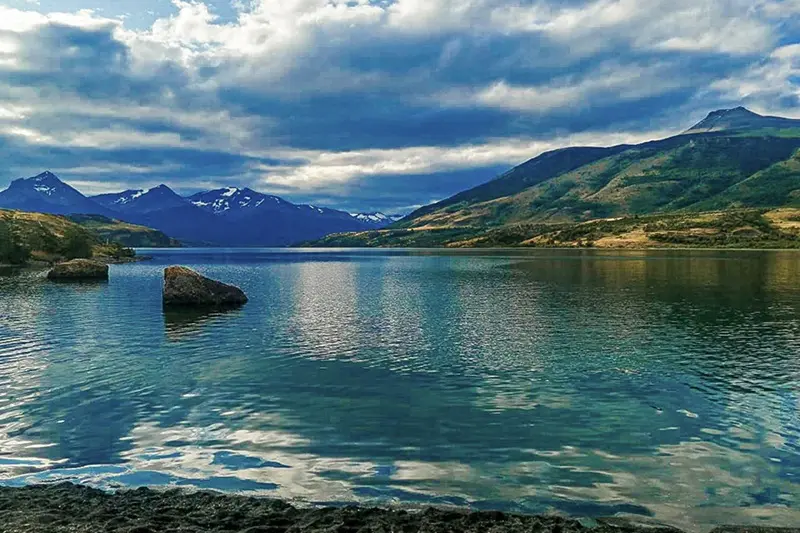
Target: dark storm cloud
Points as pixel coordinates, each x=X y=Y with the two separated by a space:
x=178 y=166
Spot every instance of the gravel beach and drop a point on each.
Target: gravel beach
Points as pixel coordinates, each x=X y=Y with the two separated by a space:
x=77 y=509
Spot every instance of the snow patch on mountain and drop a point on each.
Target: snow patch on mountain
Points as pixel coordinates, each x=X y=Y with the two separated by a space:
x=44 y=189
x=129 y=197
x=45 y=183
x=377 y=218
x=230 y=198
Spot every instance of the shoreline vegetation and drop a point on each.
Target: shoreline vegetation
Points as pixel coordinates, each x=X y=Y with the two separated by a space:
x=743 y=229
x=81 y=509
x=38 y=239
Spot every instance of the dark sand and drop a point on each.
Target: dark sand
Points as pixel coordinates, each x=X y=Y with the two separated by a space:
x=75 y=509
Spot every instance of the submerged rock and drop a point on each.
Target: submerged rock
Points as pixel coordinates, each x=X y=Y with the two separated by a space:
x=78 y=270
x=183 y=287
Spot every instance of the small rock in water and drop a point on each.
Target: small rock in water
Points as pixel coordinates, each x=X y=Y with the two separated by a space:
x=183 y=287
x=78 y=270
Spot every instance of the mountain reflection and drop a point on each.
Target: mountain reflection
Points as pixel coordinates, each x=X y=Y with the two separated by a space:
x=548 y=380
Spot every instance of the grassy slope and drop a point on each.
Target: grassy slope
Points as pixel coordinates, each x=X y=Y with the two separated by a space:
x=738 y=228
x=777 y=185
x=699 y=173
x=124 y=233
x=43 y=233
x=526 y=175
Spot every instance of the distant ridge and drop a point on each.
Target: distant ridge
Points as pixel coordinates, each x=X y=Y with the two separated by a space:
x=229 y=216
x=45 y=193
x=377 y=219
x=142 y=201
x=740 y=118
x=237 y=202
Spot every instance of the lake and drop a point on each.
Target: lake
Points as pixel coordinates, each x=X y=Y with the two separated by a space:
x=661 y=384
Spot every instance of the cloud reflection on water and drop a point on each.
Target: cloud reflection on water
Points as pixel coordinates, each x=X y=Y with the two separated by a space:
x=557 y=381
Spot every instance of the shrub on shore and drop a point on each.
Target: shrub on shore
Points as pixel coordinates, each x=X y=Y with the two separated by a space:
x=12 y=250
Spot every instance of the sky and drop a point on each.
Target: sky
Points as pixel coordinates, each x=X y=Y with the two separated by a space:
x=367 y=105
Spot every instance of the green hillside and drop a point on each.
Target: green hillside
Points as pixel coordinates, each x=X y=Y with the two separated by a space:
x=700 y=172
x=131 y=235
x=50 y=238
x=733 y=228
x=732 y=160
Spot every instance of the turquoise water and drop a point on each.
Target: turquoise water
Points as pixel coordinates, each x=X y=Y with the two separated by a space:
x=659 y=384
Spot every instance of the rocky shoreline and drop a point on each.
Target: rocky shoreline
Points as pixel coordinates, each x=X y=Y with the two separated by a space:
x=122 y=260
x=72 y=508
x=34 y=264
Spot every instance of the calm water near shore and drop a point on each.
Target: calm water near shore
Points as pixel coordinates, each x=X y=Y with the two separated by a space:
x=662 y=383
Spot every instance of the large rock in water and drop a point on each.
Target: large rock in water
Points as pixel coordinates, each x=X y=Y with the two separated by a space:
x=183 y=287
x=78 y=270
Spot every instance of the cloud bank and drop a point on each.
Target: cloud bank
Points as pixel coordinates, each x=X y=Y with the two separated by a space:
x=373 y=104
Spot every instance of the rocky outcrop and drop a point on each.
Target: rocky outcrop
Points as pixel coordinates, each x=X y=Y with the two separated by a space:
x=183 y=287
x=78 y=270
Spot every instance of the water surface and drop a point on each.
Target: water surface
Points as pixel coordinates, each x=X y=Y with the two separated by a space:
x=593 y=383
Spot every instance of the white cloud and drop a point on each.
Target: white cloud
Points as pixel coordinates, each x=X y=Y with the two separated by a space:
x=610 y=82
x=781 y=9
x=729 y=26
x=272 y=39
x=19 y=21
x=324 y=168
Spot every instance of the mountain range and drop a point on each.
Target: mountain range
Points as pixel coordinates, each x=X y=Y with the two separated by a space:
x=733 y=159
x=229 y=216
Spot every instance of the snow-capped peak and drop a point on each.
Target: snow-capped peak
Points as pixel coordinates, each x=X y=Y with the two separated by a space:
x=376 y=218
x=229 y=198
x=45 y=183
x=371 y=217
x=45 y=192
x=44 y=176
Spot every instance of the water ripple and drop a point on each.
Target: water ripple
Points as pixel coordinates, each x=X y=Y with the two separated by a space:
x=584 y=382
